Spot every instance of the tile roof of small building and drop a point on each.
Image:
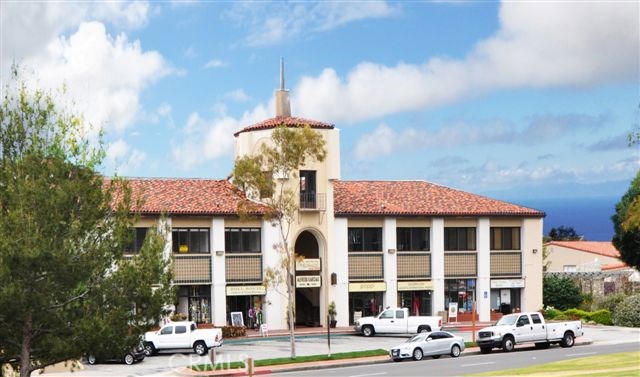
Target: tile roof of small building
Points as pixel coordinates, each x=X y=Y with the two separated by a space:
x=614 y=266
x=287 y=121
x=604 y=248
x=417 y=198
x=188 y=196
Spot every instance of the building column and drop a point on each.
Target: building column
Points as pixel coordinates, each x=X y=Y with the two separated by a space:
x=275 y=307
x=218 y=273
x=532 y=264
x=437 y=265
x=340 y=265
x=483 y=284
x=390 y=270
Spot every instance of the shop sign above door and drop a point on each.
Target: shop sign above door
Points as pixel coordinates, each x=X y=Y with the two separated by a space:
x=424 y=285
x=246 y=290
x=307 y=281
x=507 y=283
x=366 y=286
x=308 y=264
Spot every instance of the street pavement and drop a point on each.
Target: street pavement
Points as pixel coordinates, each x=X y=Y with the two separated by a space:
x=278 y=346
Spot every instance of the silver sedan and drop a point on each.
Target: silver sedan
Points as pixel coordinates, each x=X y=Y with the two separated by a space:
x=434 y=344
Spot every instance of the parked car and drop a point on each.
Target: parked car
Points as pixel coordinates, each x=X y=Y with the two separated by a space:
x=130 y=357
x=397 y=321
x=434 y=344
x=179 y=336
x=531 y=327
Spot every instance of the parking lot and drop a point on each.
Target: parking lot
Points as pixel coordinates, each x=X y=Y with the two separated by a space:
x=167 y=364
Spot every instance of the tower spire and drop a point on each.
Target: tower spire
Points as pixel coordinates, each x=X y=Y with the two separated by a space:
x=283 y=107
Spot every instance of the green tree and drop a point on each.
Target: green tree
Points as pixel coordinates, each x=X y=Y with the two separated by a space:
x=626 y=225
x=564 y=233
x=271 y=177
x=65 y=287
x=560 y=292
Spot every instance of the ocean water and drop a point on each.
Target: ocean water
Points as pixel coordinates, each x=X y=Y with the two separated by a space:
x=590 y=217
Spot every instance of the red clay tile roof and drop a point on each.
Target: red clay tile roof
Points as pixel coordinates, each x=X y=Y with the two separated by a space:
x=614 y=266
x=416 y=198
x=595 y=247
x=188 y=196
x=287 y=121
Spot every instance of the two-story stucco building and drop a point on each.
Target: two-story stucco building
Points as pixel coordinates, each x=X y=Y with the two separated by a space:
x=367 y=244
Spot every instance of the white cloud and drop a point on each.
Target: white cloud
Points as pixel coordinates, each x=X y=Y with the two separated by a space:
x=237 y=95
x=271 y=23
x=203 y=140
x=215 y=63
x=103 y=75
x=123 y=159
x=548 y=44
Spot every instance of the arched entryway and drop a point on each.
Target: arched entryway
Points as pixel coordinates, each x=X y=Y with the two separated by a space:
x=308 y=280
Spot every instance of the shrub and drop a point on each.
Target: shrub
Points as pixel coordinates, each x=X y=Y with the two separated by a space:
x=602 y=317
x=550 y=313
x=627 y=312
x=610 y=302
x=561 y=317
x=561 y=293
x=233 y=331
x=176 y=317
x=575 y=314
x=587 y=302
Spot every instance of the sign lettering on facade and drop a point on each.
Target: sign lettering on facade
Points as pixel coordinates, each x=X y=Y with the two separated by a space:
x=507 y=283
x=374 y=286
x=307 y=281
x=246 y=290
x=308 y=264
x=425 y=285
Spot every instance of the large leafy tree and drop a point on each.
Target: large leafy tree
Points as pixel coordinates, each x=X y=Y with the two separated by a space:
x=626 y=225
x=564 y=233
x=560 y=292
x=65 y=287
x=270 y=176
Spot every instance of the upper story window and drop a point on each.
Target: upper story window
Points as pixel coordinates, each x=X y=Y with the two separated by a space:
x=412 y=239
x=242 y=240
x=365 y=239
x=307 y=189
x=505 y=238
x=190 y=240
x=459 y=239
x=137 y=241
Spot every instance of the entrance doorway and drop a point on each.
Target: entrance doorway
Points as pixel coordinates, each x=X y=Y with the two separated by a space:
x=307 y=294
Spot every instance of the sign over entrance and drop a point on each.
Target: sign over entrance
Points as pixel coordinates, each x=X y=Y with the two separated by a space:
x=308 y=264
x=507 y=283
x=366 y=286
x=307 y=281
x=246 y=290
x=425 y=285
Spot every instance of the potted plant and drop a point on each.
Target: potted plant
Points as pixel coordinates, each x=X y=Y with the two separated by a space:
x=332 y=314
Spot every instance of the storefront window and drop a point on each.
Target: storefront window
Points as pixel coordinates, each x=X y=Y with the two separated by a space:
x=195 y=302
x=364 y=304
x=505 y=300
x=250 y=307
x=461 y=291
x=418 y=302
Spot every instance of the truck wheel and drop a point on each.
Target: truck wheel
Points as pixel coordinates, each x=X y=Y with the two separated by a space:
x=91 y=360
x=424 y=329
x=128 y=359
x=567 y=340
x=455 y=350
x=368 y=331
x=485 y=350
x=417 y=354
x=507 y=344
x=149 y=349
x=200 y=348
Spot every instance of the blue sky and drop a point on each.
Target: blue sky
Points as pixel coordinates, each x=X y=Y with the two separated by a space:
x=514 y=100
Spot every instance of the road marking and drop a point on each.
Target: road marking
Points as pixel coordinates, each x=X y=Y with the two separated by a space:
x=370 y=374
x=473 y=365
x=582 y=354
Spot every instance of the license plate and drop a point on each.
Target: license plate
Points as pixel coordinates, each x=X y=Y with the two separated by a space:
x=395 y=352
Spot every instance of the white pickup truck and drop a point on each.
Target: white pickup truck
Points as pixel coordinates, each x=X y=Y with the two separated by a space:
x=531 y=327
x=397 y=321
x=181 y=336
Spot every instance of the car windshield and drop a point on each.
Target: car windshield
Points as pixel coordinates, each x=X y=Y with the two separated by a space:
x=416 y=338
x=507 y=320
